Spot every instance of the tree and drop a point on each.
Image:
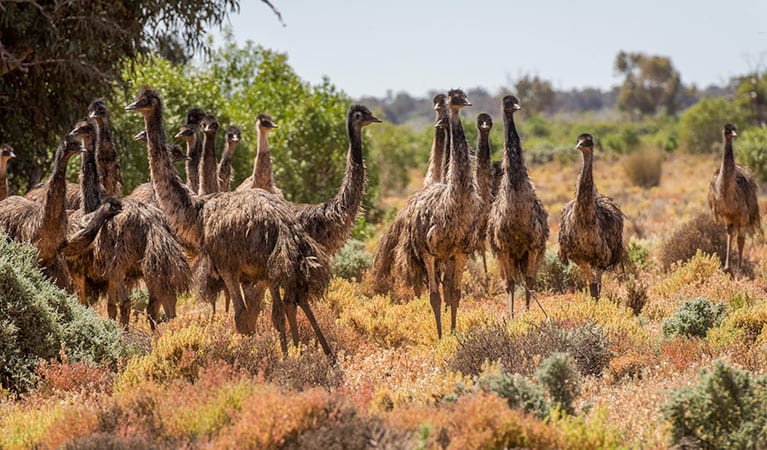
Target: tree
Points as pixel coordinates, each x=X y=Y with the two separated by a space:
x=536 y=94
x=700 y=128
x=57 y=55
x=651 y=84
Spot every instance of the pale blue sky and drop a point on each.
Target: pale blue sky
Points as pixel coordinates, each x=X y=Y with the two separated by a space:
x=367 y=47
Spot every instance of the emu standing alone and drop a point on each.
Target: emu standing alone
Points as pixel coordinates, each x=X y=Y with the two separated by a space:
x=591 y=233
x=518 y=225
x=732 y=198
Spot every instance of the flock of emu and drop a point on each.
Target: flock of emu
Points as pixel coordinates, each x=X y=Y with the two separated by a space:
x=172 y=235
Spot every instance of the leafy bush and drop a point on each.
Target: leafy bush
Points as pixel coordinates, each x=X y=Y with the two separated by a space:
x=726 y=409
x=40 y=321
x=560 y=376
x=352 y=261
x=751 y=150
x=553 y=276
x=699 y=233
x=644 y=168
x=587 y=343
x=693 y=318
x=700 y=128
x=519 y=392
x=623 y=141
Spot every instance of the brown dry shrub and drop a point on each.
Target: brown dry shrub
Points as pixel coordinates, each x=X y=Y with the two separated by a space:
x=587 y=343
x=627 y=365
x=644 y=168
x=681 y=352
x=312 y=368
x=109 y=441
x=636 y=295
x=699 y=233
x=77 y=376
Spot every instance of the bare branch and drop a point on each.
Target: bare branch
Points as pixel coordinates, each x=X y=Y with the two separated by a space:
x=275 y=11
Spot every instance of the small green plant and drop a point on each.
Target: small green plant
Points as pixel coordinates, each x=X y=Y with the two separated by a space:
x=518 y=391
x=726 y=409
x=751 y=149
x=559 y=375
x=693 y=318
x=351 y=261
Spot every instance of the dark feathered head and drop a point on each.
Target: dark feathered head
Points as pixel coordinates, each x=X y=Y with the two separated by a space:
x=456 y=98
x=194 y=116
x=440 y=102
x=176 y=154
x=83 y=127
x=112 y=206
x=6 y=152
x=209 y=124
x=361 y=115
x=145 y=100
x=233 y=134
x=70 y=145
x=264 y=122
x=186 y=132
x=729 y=131
x=585 y=142
x=511 y=103
x=484 y=122
x=98 y=108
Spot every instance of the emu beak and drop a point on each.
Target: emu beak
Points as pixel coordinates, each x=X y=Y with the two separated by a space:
x=140 y=136
x=578 y=145
x=80 y=149
x=12 y=155
x=95 y=114
x=185 y=158
x=374 y=119
x=733 y=134
x=133 y=106
x=77 y=132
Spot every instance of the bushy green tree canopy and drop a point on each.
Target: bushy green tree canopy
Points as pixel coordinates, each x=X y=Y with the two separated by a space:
x=651 y=83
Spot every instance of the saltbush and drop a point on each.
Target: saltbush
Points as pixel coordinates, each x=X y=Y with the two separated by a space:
x=726 y=409
x=519 y=392
x=351 y=261
x=751 y=150
x=699 y=233
x=693 y=318
x=643 y=168
x=555 y=277
x=558 y=373
x=40 y=321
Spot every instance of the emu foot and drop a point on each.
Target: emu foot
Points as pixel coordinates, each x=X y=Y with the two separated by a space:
x=594 y=290
x=245 y=321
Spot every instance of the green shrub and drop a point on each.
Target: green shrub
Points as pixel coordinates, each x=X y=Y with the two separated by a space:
x=643 y=168
x=39 y=321
x=351 y=261
x=700 y=129
x=751 y=150
x=693 y=318
x=555 y=277
x=518 y=391
x=726 y=409
x=623 y=141
x=558 y=373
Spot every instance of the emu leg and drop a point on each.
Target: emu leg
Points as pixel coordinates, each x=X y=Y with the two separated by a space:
x=112 y=301
x=291 y=310
x=457 y=264
x=153 y=311
x=227 y=299
x=598 y=283
x=310 y=315
x=510 y=294
x=741 y=245
x=727 y=256
x=241 y=315
x=119 y=296
x=593 y=288
x=434 y=297
x=254 y=299
x=529 y=287
x=278 y=319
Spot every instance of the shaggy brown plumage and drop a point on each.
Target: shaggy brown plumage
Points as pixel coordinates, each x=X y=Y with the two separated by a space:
x=6 y=154
x=484 y=177
x=224 y=171
x=137 y=244
x=591 y=230
x=108 y=164
x=732 y=197
x=43 y=225
x=39 y=192
x=208 y=176
x=246 y=237
x=262 y=166
x=517 y=223
x=144 y=193
x=440 y=231
x=383 y=260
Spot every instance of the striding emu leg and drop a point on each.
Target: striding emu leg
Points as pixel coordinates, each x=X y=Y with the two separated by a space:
x=456 y=270
x=741 y=244
x=434 y=297
x=240 y=313
x=291 y=310
x=727 y=257
x=304 y=304
x=278 y=320
x=593 y=288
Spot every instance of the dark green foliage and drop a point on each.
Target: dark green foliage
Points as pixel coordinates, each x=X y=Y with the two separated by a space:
x=751 y=149
x=559 y=374
x=624 y=140
x=38 y=320
x=351 y=261
x=553 y=276
x=699 y=233
x=587 y=343
x=518 y=391
x=651 y=84
x=58 y=56
x=693 y=318
x=726 y=409
x=700 y=129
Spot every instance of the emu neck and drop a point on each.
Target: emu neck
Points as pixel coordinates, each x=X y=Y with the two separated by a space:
x=173 y=197
x=586 y=192
x=262 y=168
x=349 y=197
x=446 y=151
x=458 y=171
x=225 y=168
x=108 y=166
x=3 y=180
x=437 y=157
x=54 y=212
x=193 y=149
x=483 y=164
x=514 y=170
x=91 y=189
x=208 y=182
x=727 y=171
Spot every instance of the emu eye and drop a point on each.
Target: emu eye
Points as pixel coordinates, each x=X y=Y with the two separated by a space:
x=357 y=115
